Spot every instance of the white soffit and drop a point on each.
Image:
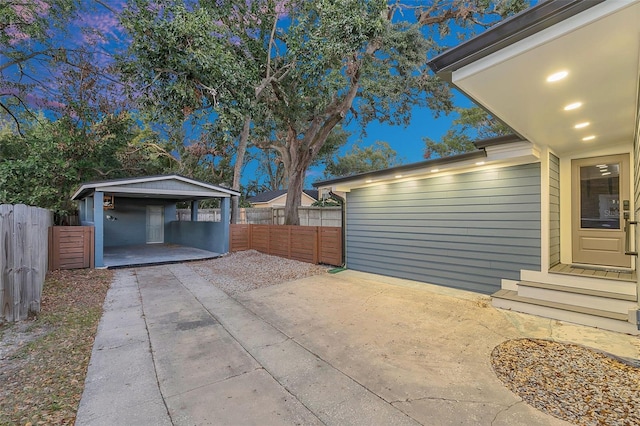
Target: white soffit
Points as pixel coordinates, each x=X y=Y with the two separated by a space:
x=600 y=48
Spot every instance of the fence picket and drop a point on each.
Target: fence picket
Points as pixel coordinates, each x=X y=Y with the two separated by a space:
x=6 y=261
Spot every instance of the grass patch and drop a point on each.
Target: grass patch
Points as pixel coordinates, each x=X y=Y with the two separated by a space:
x=44 y=365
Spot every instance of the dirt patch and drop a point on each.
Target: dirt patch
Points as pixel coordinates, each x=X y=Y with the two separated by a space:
x=43 y=361
x=248 y=270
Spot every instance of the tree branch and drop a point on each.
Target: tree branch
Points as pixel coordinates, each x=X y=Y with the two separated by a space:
x=23 y=59
x=15 y=119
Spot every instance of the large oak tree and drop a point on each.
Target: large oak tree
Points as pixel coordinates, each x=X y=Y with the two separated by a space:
x=286 y=73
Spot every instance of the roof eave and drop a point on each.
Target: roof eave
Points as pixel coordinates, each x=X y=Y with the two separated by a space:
x=87 y=188
x=506 y=33
x=404 y=168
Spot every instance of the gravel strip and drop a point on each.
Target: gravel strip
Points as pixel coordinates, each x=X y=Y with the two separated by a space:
x=248 y=270
x=570 y=382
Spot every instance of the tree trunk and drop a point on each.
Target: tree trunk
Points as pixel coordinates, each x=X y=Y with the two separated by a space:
x=296 y=160
x=237 y=168
x=294 y=197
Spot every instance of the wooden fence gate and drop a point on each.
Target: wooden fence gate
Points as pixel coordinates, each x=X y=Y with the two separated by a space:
x=312 y=244
x=71 y=247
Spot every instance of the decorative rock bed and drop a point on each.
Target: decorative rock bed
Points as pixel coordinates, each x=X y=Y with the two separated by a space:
x=571 y=382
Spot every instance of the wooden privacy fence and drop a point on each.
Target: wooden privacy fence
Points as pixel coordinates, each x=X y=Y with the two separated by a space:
x=308 y=215
x=23 y=259
x=71 y=247
x=312 y=244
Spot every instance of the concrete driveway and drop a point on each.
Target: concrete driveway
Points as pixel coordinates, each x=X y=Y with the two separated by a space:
x=343 y=349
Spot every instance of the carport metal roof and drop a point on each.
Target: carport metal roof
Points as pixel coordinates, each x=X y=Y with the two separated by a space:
x=173 y=187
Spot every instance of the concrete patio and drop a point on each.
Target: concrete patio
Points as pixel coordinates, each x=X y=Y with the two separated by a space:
x=153 y=254
x=343 y=349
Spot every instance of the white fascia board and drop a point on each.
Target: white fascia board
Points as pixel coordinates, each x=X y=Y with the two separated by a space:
x=117 y=186
x=78 y=192
x=338 y=187
x=497 y=156
x=545 y=36
x=168 y=192
x=522 y=152
x=206 y=185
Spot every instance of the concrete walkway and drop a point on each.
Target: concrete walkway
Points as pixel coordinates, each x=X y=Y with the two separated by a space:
x=345 y=349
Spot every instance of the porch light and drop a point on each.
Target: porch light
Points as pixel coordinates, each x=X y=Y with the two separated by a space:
x=557 y=76
x=589 y=138
x=574 y=105
x=581 y=125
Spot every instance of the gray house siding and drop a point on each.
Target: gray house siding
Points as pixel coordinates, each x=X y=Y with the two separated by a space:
x=466 y=231
x=554 y=210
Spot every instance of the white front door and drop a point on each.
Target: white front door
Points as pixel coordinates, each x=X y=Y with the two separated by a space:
x=155 y=224
x=600 y=188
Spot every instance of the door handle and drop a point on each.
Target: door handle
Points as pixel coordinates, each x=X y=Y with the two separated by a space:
x=627 y=235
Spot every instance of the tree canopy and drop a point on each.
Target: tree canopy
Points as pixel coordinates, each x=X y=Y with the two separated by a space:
x=208 y=80
x=472 y=124
x=360 y=160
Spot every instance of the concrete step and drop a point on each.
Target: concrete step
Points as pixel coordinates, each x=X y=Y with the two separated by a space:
x=509 y=299
x=583 y=297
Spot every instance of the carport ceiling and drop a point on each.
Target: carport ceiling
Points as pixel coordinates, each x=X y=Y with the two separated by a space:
x=599 y=48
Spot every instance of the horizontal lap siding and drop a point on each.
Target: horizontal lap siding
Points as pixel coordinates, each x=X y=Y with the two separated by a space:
x=554 y=210
x=466 y=231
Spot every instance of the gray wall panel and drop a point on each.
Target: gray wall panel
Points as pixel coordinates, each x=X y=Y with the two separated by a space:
x=466 y=231
x=554 y=210
x=130 y=226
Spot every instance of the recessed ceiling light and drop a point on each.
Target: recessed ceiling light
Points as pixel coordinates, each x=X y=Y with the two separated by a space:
x=589 y=138
x=398 y=176
x=602 y=166
x=582 y=125
x=479 y=163
x=606 y=173
x=574 y=105
x=435 y=170
x=557 y=76
x=369 y=180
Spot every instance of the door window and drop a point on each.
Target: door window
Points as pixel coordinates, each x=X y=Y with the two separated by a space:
x=600 y=196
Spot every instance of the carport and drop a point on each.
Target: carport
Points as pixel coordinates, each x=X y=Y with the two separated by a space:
x=135 y=222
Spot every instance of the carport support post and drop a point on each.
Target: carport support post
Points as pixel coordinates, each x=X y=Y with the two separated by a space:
x=225 y=219
x=98 y=224
x=194 y=211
